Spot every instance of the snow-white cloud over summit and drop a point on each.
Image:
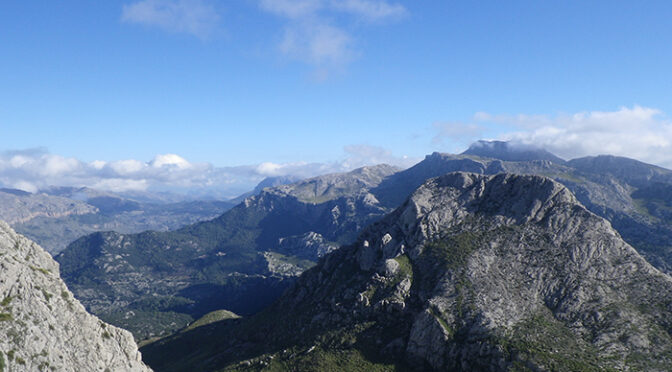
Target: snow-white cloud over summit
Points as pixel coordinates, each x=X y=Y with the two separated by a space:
x=637 y=132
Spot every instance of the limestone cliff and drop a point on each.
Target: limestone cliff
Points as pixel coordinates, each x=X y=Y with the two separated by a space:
x=43 y=327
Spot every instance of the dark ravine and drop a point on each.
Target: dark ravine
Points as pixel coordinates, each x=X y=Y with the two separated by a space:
x=472 y=272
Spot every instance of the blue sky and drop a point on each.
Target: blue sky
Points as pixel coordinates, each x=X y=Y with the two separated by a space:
x=262 y=87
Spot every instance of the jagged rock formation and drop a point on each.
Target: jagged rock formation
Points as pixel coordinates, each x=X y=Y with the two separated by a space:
x=266 y=183
x=43 y=327
x=156 y=282
x=309 y=246
x=472 y=272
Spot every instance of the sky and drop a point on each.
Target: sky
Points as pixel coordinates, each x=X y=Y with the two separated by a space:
x=213 y=95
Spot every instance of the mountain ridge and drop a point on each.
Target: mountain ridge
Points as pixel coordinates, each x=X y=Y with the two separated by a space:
x=319 y=214
x=472 y=272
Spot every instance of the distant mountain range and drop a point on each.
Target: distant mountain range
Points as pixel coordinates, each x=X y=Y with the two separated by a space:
x=156 y=282
x=57 y=216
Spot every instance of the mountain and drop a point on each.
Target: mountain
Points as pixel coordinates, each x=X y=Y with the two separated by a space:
x=19 y=206
x=472 y=272
x=154 y=283
x=266 y=182
x=509 y=151
x=271 y=238
x=634 y=196
x=43 y=327
x=57 y=216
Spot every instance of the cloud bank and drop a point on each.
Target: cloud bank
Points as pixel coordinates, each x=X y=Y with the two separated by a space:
x=35 y=169
x=636 y=132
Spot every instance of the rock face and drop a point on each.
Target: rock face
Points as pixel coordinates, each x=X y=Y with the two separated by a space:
x=309 y=246
x=472 y=272
x=43 y=327
x=20 y=206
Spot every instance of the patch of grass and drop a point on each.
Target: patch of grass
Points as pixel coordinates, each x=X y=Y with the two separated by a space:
x=6 y=301
x=453 y=251
x=42 y=270
x=405 y=267
x=5 y=317
x=211 y=317
x=546 y=343
x=47 y=295
x=442 y=322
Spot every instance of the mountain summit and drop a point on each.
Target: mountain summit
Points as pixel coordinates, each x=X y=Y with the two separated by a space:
x=472 y=272
x=509 y=151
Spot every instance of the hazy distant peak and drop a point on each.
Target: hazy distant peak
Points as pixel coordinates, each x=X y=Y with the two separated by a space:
x=509 y=151
x=16 y=192
x=275 y=181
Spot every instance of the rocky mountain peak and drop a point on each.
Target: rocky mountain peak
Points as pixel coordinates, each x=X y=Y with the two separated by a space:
x=43 y=327
x=446 y=201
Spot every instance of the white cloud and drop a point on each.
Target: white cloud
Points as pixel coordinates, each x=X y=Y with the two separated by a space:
x=361 y=155
x=312 y=35
x=324 y=46
x=638 y=132
x=125 y=167
x=459 y=133
x=35 y=169
x=196 y=17
x=170 y=160
x=372 y=10
x=292 y=8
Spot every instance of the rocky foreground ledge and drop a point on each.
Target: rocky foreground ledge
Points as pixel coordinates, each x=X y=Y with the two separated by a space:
x=43 y=327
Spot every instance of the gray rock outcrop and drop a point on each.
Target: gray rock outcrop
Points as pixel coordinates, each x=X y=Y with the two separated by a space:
x=43 y=327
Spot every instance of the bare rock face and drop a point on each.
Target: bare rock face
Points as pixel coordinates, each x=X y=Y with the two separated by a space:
x=471 y=273
x=310 y=246
x=18 y=206
x=43 y=327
